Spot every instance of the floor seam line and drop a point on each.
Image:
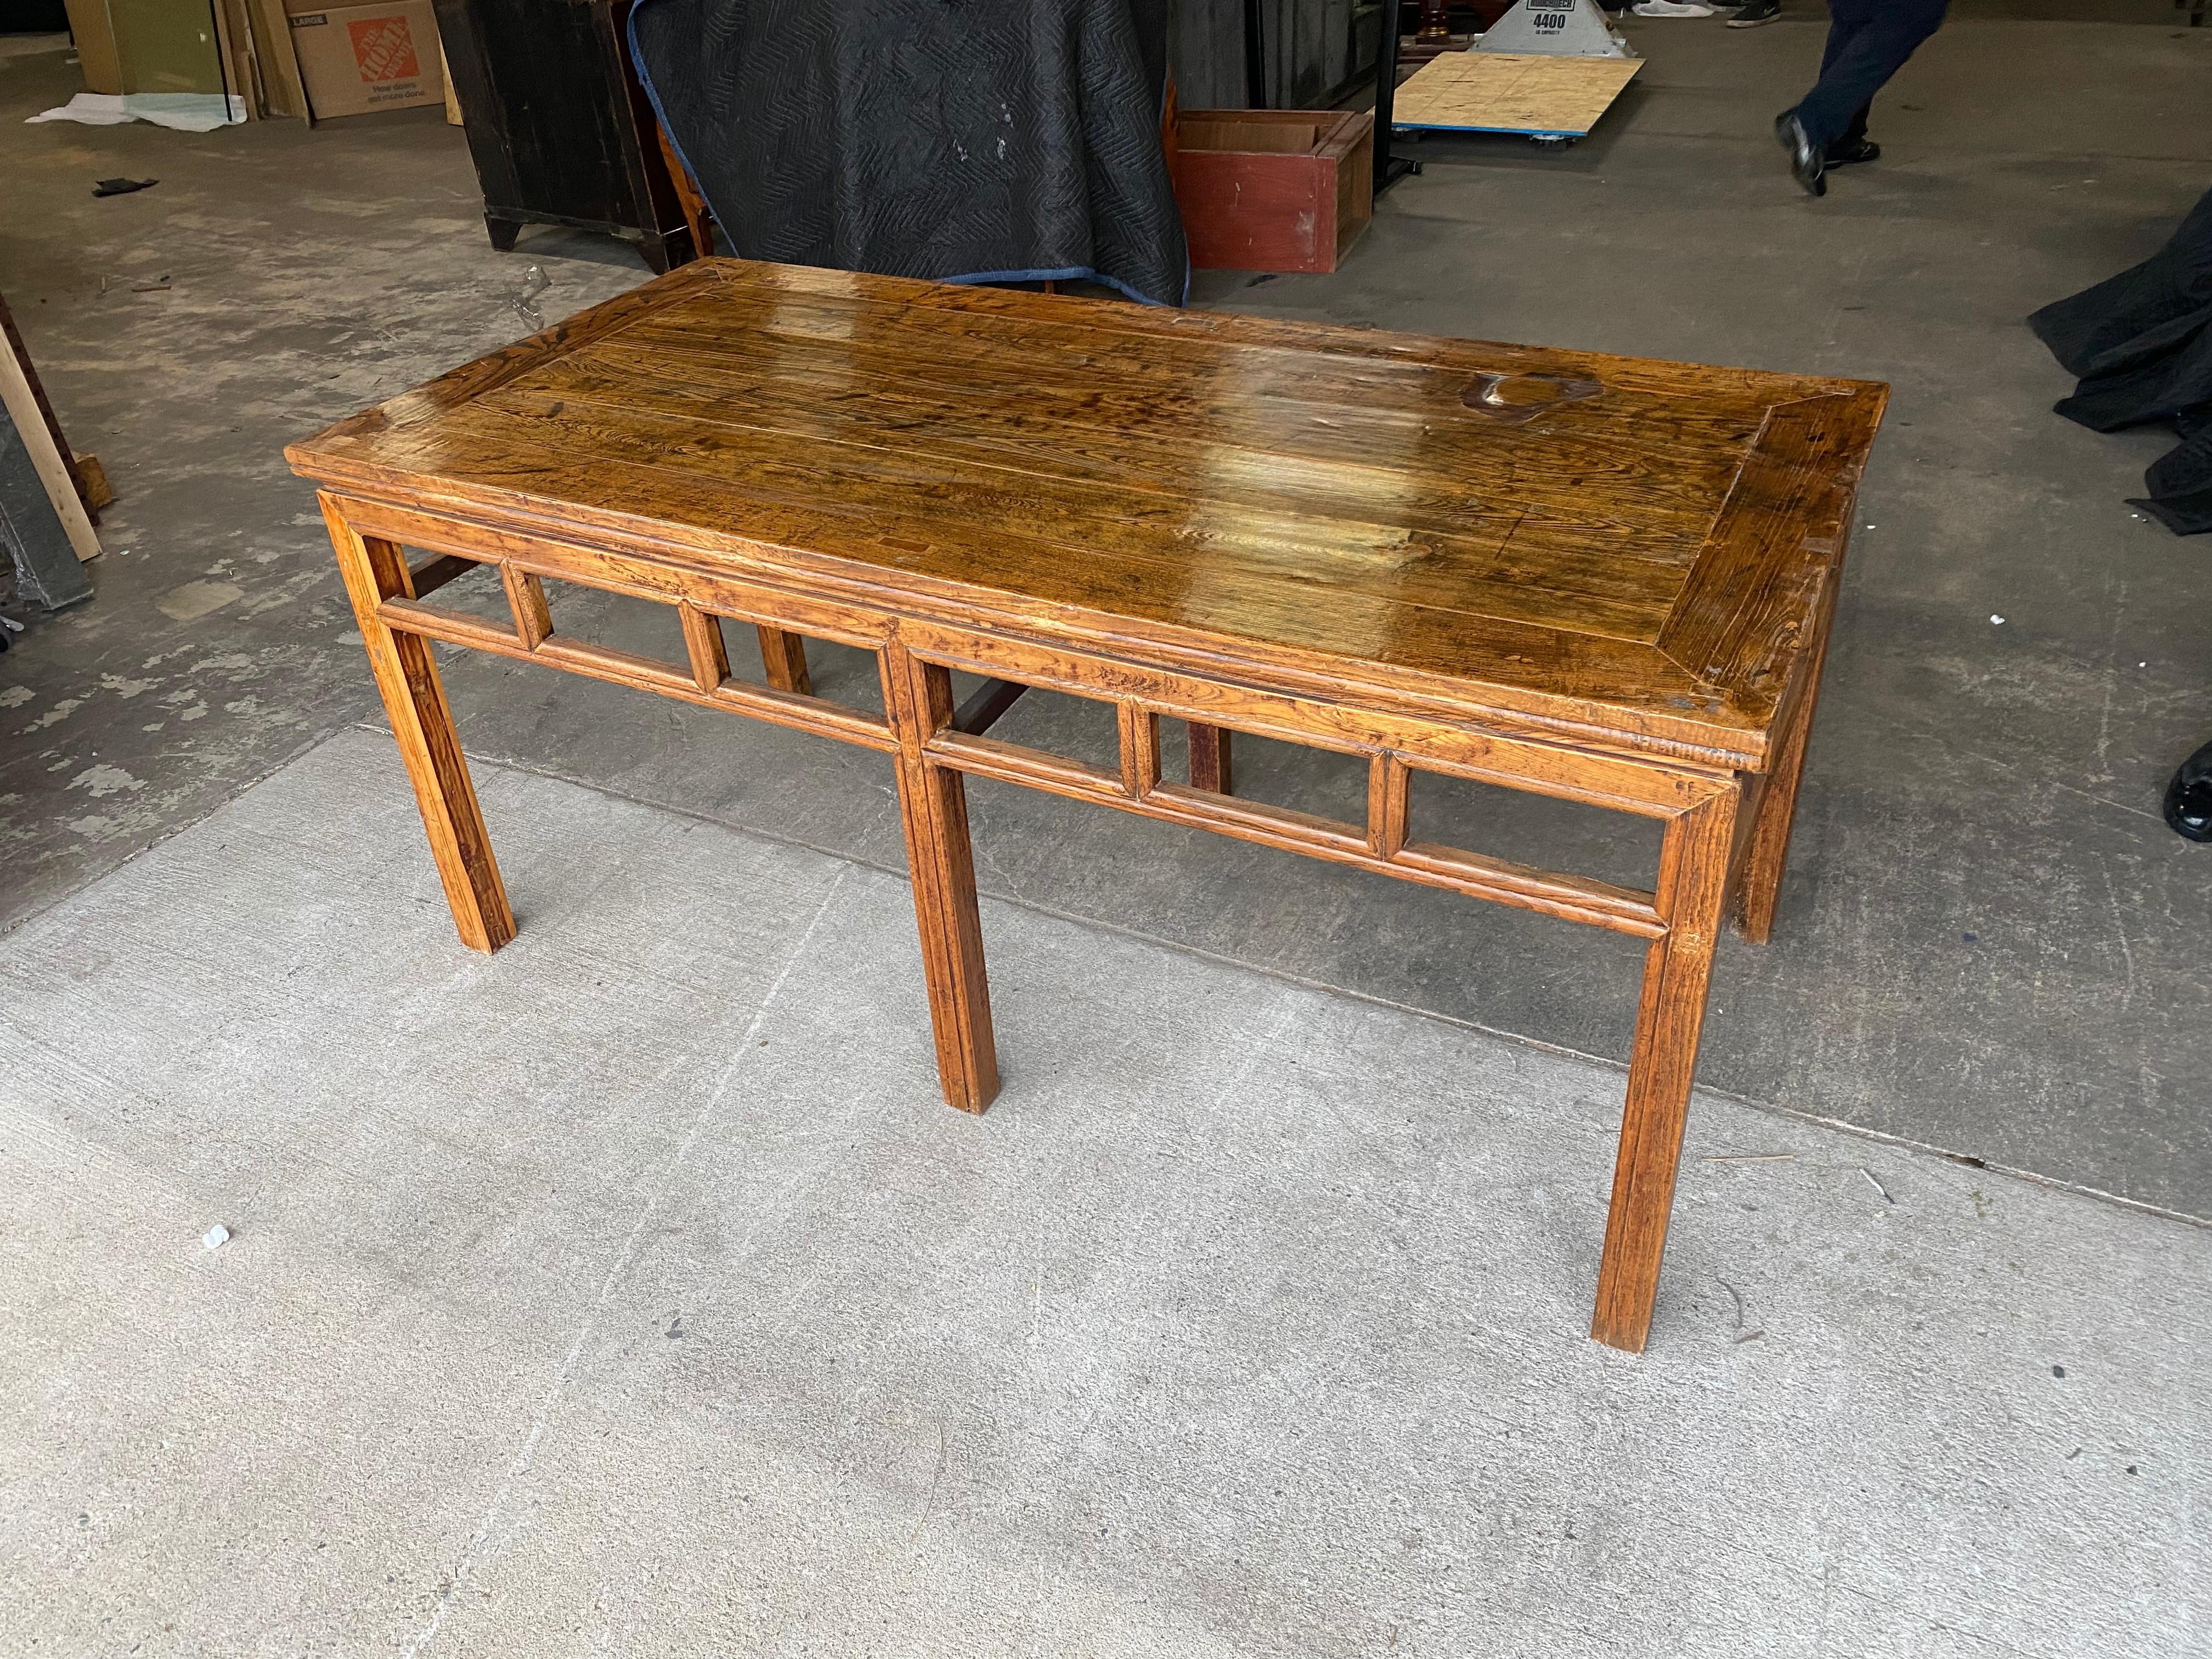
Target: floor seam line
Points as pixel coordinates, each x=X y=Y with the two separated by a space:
x=520 y=1465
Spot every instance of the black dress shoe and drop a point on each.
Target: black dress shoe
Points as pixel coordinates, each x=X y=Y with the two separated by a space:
x=1805 y=159
x=1851 y=154
x=2188 y=797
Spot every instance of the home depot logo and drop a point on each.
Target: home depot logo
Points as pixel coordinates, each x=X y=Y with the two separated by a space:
x=384 y=48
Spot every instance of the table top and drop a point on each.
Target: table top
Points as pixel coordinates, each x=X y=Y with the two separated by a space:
x=1616 y=545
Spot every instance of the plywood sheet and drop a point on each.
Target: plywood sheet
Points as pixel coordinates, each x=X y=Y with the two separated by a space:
x=1507 y=91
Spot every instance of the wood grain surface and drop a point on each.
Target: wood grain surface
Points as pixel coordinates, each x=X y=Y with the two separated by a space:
x=1511 y=92
x=1638 y=565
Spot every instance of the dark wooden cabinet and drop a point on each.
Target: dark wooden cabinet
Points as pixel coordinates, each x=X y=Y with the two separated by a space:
x=559 y=124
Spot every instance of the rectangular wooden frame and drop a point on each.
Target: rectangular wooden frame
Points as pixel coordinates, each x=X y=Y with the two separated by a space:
x=1726 y=827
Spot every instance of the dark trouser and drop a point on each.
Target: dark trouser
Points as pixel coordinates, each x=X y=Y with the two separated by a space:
x=1869 y=41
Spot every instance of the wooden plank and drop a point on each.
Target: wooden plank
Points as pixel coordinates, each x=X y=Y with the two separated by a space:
x=1741 y=616
x=1460 y=555
x=815 y=714
x=453 y=116
x=1670 y=1016
x=1766 y=848
x=1528 y=761
x=1508 y=92
x=689 y=195
x=1139 y=731
x=1570 y=897
x=1212 y=768
x=1389 y=804
x=617 y=568
x=703 y=644
x=932 y=800
x=432 y=575
x=375 y=574
x=93 y=34
x=783 y=659
x=32 y=535
x=1494 y=565
x=84 y=471
x=234 y=34
x=983 y=709
x=1242 y=603
x=1302 y=493
x=45 y=458
x=283 y=91
x=525 y=598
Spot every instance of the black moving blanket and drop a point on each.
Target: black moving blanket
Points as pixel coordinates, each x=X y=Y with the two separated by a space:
x=2142 y=342
x=964 y=140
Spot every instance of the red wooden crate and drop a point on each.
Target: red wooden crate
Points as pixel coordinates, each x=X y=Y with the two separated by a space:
x=1273 y=189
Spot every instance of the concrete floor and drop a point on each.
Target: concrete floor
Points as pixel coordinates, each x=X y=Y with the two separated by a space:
x=1988 y=944
x=633 y=1293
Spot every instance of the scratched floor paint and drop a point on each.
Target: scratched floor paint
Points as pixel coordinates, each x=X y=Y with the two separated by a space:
x=633 y=1293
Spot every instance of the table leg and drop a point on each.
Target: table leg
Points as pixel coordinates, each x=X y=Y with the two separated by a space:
x=1209 y=758
x=415 y=699
x=783 y=659
x=1692 y=882
x=933 y=801
x=1759 y=889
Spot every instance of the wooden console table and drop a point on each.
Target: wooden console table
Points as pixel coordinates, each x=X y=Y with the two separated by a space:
x=1600 y=579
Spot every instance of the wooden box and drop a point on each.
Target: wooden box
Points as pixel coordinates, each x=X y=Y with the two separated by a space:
x=559 y=124
x=1281 y=189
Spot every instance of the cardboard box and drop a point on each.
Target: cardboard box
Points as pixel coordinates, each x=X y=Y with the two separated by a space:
x=354 y=59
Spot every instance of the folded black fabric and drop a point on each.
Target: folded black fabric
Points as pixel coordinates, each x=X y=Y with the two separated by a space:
x=2180 y=484
x=2141 y=344
x=963 y=140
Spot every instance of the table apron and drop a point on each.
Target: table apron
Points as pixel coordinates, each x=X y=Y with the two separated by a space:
x=1649 y=788
x=1393 y=745
x=835 y=607
x=1572 y=898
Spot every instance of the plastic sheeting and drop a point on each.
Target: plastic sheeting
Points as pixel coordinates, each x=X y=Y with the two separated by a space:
x=186 y=112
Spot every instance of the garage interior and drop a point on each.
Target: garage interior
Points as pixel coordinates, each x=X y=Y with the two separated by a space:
x=633 y=1292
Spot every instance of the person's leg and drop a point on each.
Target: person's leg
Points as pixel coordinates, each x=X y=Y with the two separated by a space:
x=1854 y=145
x=1846 y=19
x=1887 y=33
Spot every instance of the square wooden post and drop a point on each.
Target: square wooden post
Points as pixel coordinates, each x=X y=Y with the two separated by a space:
x=1209 y=759
x=1693 y=864
x=415 y=699
x=783 y=659
x=933 y=801
x=1759 y=887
